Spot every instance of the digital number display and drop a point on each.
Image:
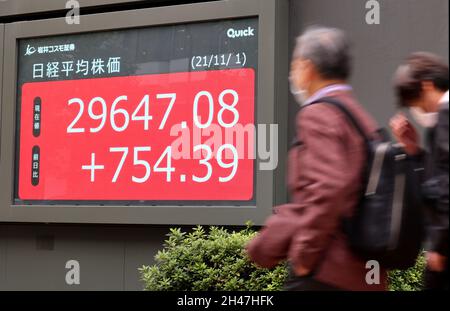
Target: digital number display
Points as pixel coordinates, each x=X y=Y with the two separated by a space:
x=153 y=114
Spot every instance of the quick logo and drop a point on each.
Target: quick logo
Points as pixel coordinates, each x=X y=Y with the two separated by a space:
x=240 y=33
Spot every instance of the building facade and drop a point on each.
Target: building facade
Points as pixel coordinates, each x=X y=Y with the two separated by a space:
x=35 y=255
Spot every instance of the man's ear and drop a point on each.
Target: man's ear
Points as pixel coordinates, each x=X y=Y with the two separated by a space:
x=427 y=86
x=430 y=96
x=311 y=70
x=296 y=64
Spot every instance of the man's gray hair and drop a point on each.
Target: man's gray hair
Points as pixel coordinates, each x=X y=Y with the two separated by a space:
x=328 y=49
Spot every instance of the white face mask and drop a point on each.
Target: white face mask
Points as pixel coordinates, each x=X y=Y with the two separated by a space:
x=425 y=119
x=301 y=95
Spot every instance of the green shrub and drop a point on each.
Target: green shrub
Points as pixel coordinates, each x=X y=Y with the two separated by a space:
x=410 y=279
x=216 y=261
x=209 y=261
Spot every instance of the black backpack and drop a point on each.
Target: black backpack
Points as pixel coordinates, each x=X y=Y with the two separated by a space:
x=387 y=224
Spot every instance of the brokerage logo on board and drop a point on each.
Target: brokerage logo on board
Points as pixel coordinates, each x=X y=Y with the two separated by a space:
x=240 y=33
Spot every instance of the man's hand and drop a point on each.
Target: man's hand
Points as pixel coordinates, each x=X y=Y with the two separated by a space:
x=301 y=271
x=405 y=133
x=436 y=262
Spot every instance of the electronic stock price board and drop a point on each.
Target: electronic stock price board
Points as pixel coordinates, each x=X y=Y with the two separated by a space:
x=139 y=115
x=122 y=120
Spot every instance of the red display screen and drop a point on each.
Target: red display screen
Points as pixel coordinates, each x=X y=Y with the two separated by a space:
x=151 y=137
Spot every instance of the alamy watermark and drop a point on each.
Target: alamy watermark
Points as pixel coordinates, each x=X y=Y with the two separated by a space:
x=241 y=141
x=373 y=12
x=373 y=275
x=73 y=15
x=73 y=272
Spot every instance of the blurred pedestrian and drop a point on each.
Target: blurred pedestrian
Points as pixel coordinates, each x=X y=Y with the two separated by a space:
x=421 y=84
x=325 y=174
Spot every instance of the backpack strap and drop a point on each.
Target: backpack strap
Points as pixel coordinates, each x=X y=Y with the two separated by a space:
x=378 y=158
x=336 y=103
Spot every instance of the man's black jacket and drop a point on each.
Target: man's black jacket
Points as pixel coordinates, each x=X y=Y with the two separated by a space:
x=436 y=187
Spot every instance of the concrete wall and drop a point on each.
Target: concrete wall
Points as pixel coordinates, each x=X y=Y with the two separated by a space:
x=34 y=256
